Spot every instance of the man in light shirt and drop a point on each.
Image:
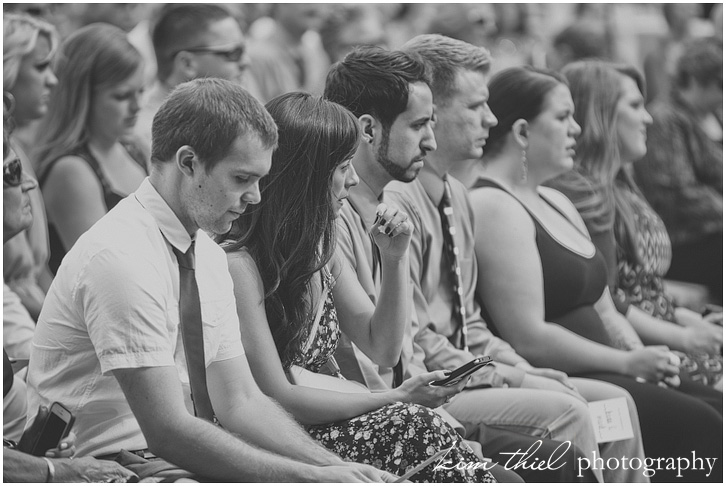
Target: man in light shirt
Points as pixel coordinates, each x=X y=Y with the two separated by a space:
x=108 y=343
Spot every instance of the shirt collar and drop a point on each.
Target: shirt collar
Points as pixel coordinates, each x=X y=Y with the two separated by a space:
x=364 y=202
x=169 y=224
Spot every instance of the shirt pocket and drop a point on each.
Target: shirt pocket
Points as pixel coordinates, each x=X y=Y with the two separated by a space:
x=214 y=313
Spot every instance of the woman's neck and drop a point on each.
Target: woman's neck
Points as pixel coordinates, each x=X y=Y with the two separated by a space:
x=101 y=144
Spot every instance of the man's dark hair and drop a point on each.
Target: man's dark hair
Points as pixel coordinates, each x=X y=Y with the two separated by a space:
x=179 y=27
x=208 y=114
x=702 y=61
x=375 y=81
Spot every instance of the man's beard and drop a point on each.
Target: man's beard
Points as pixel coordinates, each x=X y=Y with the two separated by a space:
x=394 y=170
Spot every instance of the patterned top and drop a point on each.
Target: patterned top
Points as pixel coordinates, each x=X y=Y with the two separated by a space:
x=643 y=283
x=681 y=176
x=323 y=333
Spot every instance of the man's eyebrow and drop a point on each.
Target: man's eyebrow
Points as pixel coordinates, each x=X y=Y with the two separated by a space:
x=424 y=118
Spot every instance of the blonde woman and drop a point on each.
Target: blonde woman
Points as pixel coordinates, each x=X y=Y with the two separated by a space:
x=28 y=81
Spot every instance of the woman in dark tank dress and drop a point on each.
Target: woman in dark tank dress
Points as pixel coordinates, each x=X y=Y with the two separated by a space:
x=85 y=167
x=543 y=283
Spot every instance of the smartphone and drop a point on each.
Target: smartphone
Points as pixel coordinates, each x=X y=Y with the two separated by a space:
x=463 y=371
x=56 y=426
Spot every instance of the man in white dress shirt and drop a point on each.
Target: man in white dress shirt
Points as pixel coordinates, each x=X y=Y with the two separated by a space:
x=108 y=343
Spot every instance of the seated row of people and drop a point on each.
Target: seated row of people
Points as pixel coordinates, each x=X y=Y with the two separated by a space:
x=319 y=271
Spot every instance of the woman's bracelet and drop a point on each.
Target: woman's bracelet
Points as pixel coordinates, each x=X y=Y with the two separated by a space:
x=51 y=471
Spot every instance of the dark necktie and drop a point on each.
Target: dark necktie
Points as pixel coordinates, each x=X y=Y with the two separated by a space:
x=451 y=253
x=190 y=315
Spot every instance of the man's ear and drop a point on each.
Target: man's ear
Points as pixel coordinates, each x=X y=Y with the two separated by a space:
x=186 y=64
x=185 y=157
x=369 y=127
x=520 y=131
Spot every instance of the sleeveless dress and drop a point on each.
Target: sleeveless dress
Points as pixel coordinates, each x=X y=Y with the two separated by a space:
x=573 y=283
x=394 y=438
x=110 y=198
x=674 y=423
x=642 y=283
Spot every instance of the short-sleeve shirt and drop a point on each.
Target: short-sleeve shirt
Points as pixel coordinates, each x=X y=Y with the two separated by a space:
x=114 y=304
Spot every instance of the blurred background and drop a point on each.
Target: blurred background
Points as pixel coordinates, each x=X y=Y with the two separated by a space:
x=551 y=35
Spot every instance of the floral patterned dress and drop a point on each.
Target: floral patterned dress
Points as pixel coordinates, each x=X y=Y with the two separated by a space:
x=643 y=283
x=394 y=438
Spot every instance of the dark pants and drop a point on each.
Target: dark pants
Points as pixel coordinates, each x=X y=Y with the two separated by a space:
x=700 y=262
x=677 y=424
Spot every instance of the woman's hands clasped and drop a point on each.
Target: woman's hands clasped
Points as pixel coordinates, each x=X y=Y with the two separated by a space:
x=653 y=364
x=391 y=231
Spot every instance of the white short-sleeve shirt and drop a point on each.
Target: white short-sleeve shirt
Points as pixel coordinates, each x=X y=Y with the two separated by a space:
x=114 y=304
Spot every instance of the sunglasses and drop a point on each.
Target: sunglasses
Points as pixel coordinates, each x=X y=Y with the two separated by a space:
x=13 y=173
x=230 y=55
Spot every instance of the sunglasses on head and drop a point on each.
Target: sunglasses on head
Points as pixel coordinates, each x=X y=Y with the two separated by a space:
x=230 y=55
x=13 y=172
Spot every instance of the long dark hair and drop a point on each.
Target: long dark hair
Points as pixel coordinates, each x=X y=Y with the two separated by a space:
x=291 y=233
x=517 y=93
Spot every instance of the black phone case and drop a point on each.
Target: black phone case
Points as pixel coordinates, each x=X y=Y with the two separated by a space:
x=455 y=377
x=32 y=439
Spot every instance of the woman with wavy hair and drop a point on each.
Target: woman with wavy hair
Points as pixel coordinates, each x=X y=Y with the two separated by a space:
x=543 y=283
x=609 y=107
x=295 y=297
x=28 y=81
x=85 y=166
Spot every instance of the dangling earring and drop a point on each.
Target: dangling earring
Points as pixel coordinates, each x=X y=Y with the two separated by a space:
x=8 y=109
x=524 y=166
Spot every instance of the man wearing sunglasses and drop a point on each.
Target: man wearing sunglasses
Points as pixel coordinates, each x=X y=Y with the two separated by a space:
x=192 y=41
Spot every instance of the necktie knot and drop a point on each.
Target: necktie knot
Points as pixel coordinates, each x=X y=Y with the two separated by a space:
x=445 y=204
x=185 y=260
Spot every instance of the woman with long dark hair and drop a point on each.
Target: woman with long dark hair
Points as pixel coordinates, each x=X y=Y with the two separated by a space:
x=543 y=284
x=294 y=297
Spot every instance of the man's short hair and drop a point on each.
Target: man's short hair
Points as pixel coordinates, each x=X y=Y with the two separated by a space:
x=208 y=114
x=701 y=60
x=181 y=26
x=375 y=81
x=446 y=57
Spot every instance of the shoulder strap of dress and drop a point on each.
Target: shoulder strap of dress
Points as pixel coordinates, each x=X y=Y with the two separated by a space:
x=557 y=208
x=325 y=288
x=483 y=182
x=136 y=154
x=85 y=154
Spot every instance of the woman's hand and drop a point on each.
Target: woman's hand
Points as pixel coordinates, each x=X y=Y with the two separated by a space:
x=703 y=340
x=391 y=231
x=417 y=390
x=651 y=363
x=65 y=449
